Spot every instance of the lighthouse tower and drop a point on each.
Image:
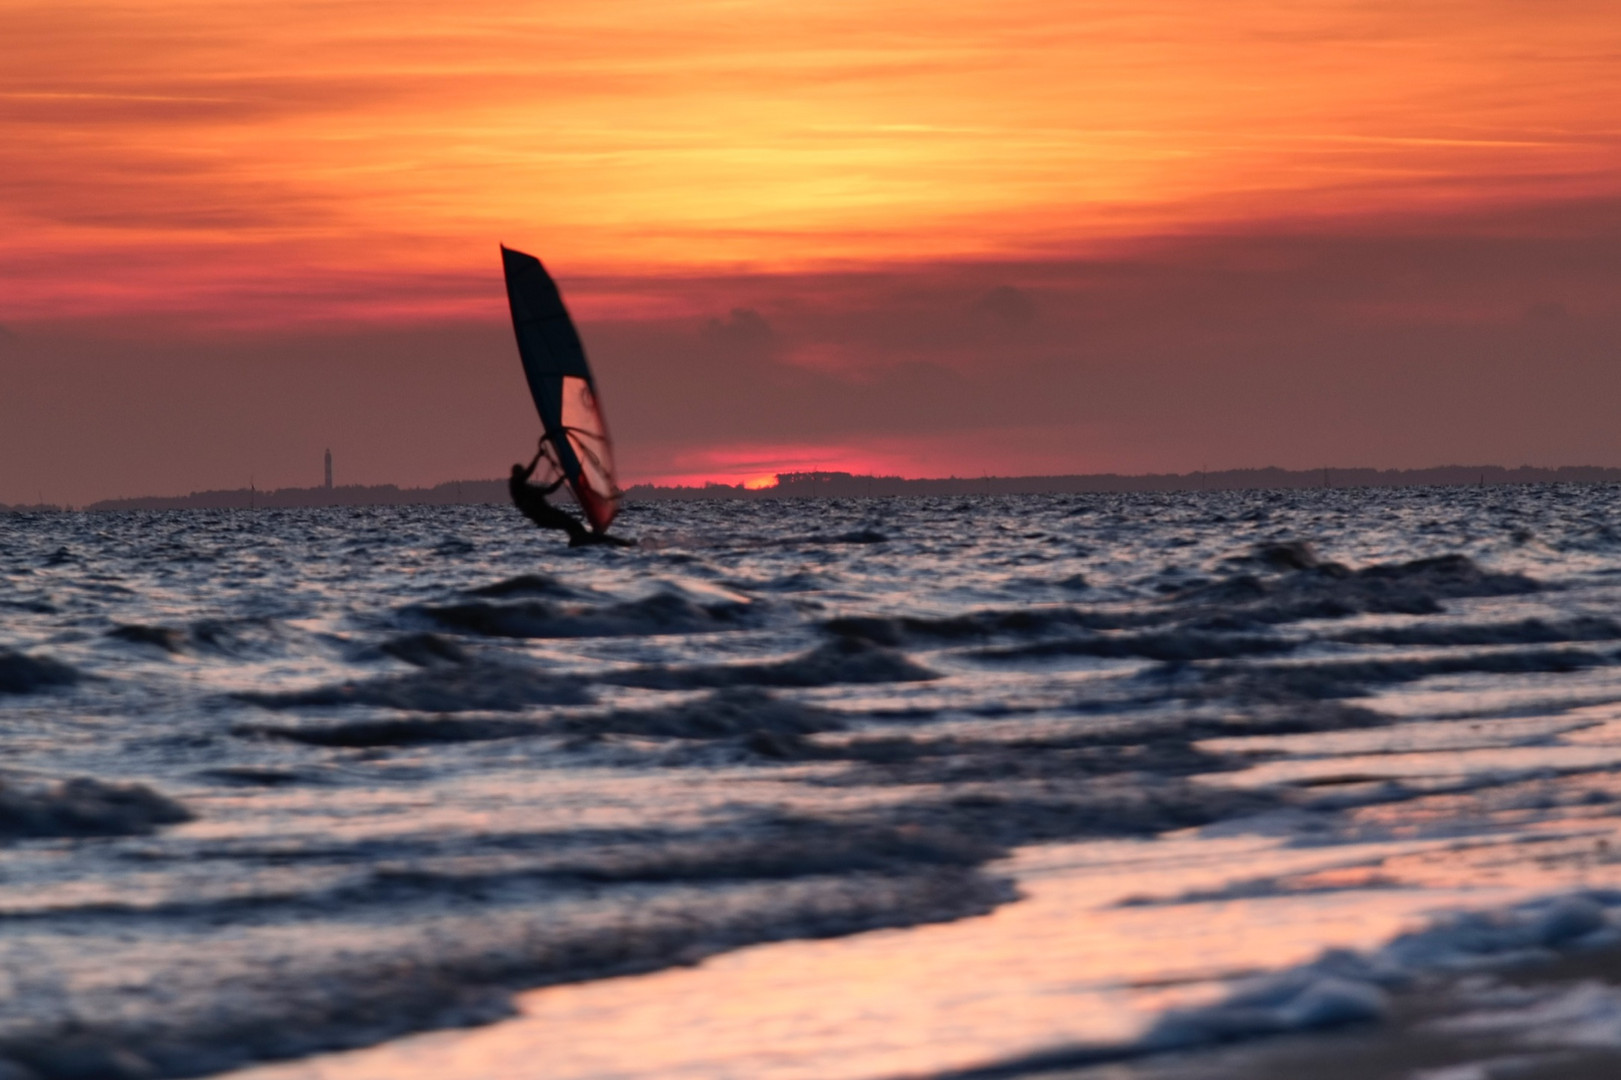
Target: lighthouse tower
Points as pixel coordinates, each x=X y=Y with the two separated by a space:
x=329 y=470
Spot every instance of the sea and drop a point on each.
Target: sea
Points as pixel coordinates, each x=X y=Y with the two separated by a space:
x=1115 y=786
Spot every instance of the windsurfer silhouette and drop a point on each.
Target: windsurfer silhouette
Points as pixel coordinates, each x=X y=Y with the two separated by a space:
x=531 y=500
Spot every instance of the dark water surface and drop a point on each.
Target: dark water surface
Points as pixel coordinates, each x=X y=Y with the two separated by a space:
x=284 y=781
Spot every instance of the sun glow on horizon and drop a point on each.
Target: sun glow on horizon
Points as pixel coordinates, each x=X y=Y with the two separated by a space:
x=961 y=454
x=757 y=467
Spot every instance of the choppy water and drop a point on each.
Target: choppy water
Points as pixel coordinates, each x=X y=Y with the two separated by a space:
x=282 y=781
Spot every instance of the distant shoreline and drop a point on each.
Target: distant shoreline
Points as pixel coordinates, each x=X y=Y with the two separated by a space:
x=841 y=485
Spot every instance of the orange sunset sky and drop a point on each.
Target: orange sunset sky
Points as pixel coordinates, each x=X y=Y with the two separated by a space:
x=1020 y=236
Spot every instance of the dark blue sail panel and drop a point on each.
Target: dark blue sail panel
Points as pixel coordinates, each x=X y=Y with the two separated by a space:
x=546 y=336
x=560 y=381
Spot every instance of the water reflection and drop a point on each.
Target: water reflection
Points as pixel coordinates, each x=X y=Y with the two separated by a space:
x=1068 y=964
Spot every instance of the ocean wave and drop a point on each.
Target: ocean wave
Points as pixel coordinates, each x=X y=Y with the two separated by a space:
x=24 y=674
x=1343 y=988
x=303 y=995
x=228 y=638
x=725 y=714
x=469 y=687
x=413 y=731
x=1521 y=632
x=841 y=661
x=661 y=613
x=1330 y=590
x=83 y=806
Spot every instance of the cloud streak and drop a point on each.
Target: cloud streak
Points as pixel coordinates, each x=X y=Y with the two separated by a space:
x=637 y=137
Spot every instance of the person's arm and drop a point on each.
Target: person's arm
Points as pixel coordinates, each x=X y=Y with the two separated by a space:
x=535 y=461
x=540 y=453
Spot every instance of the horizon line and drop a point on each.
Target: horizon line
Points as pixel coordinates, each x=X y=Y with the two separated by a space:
x=841 y=484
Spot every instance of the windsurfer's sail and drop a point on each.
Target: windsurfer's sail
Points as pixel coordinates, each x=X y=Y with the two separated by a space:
x=564 y=392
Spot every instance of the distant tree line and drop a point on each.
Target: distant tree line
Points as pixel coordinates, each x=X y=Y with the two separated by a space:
x=844 y=485
x=448 y=494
